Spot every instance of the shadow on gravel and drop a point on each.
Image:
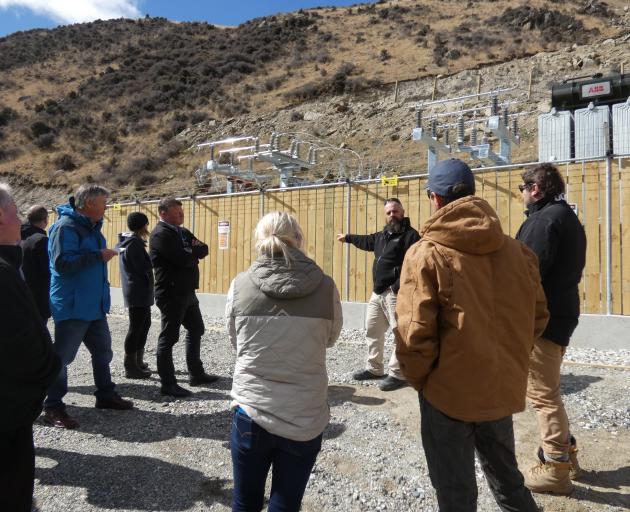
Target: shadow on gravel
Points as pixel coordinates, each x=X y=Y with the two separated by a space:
x=347 y=394
x=151 y=391
x=571 y=383
x=614 y=479
x=334 y=430
x=131 y=482
x=605 y=498
x=139 y=426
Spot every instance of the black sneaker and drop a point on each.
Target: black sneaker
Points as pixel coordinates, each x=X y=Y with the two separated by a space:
x=366 y=375
x=390 y=383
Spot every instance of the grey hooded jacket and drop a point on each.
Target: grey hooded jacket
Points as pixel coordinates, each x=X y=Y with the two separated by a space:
x=280 y=320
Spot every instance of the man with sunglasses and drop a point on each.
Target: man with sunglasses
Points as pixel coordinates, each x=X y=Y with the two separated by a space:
x=555 y=234
x=389 y=246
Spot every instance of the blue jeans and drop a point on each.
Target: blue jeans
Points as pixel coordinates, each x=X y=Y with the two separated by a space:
x=68 y=337
x=254 y=451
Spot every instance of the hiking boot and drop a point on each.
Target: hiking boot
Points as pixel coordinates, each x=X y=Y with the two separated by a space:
x=391 y=383
x=202 y=378
x=576 y=471
x=59 y=418
x=366 y=375
x=132 y=369
x=115 y=402
x=549 y=476
x=140 y=360
x=174 y=390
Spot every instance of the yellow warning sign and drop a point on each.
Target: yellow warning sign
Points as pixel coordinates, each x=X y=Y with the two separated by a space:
x=389 y=181
x=116 y=206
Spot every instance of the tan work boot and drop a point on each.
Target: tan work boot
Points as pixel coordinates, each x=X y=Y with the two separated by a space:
x=576 y=471
x=547 y=476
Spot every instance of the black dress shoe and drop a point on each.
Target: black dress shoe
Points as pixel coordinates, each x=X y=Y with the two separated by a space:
x=174 y=390
x=202 y=378
x=116 y=402
x=390 y=383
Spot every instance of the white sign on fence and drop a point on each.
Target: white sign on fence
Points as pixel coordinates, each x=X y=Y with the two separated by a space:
x=224 y=234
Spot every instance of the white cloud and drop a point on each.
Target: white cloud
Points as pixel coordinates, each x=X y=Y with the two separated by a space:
x=77 y=11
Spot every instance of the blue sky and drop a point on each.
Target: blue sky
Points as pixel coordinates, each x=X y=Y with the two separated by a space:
x=28 y=14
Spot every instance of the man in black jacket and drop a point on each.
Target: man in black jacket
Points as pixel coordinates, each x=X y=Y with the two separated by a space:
x=175 y=254
x=389 y=247
x=554 y=233
x=35 y=263
x=27 y=366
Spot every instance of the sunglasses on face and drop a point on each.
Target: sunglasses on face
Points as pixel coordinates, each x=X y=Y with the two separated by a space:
x=524 y=186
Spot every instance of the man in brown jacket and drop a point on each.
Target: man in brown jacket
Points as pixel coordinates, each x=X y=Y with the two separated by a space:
x=469 y=308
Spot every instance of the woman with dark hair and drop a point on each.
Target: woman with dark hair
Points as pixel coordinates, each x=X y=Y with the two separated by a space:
x=136 y=275
x=282 y=315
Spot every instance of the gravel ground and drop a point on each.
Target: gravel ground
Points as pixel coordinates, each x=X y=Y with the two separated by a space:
x=173 y=455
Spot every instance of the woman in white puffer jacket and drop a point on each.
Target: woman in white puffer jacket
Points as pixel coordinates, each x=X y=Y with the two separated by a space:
x=282 y=314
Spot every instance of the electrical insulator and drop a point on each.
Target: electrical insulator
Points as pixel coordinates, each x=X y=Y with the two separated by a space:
x=446 y=137
x=419 y=118
x=434 y=128
x=494 y=107
x=515 y=127
x=484 y=139
x=211 y=152
x=473 y=137
x=506 y=117
x=460 y=130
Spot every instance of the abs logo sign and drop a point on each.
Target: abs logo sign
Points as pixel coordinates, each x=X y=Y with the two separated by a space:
x=595 y=90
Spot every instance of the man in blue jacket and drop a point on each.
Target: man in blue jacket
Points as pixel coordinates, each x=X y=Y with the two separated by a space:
x=79 y=299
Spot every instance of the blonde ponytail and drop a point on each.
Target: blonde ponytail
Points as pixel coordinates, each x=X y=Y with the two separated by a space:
x=276 y=234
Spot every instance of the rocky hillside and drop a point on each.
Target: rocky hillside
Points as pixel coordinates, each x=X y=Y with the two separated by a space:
x=122 y=102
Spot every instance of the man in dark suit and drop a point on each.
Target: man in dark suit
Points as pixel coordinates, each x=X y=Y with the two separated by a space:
x=175 y=253
x=35 y=263
x=28 y=364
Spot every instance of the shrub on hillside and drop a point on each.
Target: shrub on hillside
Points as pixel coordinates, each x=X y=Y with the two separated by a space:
x=65 y=162
x=44 y=141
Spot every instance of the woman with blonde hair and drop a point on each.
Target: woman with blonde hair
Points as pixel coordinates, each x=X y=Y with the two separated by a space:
x=282 y=314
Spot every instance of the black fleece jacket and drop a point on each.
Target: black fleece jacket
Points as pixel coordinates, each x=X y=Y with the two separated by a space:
x=555 y=234
x=28 y=364
x=136 y=271
x=175 y=261
x=389 y=252
x=36 y=267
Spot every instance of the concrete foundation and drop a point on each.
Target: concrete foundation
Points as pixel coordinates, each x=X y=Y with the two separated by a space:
x=606 y=332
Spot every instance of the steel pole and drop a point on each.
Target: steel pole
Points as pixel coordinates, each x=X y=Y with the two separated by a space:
x=609 y=303
x=347 y=246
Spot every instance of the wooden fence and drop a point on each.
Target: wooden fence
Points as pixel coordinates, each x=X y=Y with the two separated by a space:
x=322 y=213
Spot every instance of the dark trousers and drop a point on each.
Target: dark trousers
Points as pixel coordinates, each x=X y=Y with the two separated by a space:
x=254 y=451
x=450 y=445
x=139 y=325
x=178 y=311
x=17 y=469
